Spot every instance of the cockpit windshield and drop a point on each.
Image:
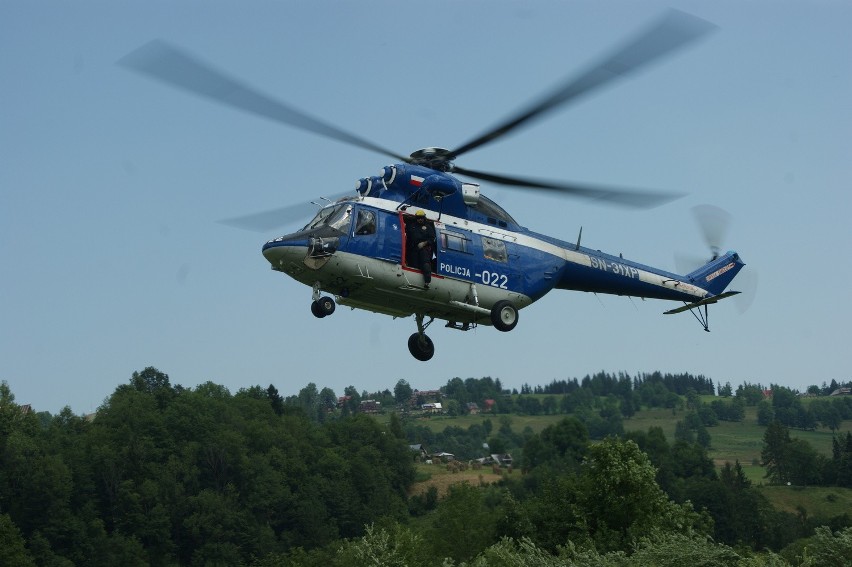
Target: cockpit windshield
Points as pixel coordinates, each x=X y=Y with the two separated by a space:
x=336 y=216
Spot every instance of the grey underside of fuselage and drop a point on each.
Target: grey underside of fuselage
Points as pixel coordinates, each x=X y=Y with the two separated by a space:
x=384 y=286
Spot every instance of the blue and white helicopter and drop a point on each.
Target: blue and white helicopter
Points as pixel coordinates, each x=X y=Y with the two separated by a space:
x=485 y=266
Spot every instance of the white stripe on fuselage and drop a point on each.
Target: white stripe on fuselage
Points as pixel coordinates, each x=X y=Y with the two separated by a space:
x=523 y=239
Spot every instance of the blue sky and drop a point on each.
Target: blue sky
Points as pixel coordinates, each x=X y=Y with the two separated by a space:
x=111 y=259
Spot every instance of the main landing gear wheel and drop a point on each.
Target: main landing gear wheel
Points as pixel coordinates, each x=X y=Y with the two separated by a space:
x=421 y=347
x=504 y=316
x=323 y=307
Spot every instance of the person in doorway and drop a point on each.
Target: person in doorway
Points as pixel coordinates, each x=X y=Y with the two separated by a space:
x=420 y=235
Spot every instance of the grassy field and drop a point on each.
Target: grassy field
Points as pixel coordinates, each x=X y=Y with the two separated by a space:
x=442 y=478
x=519 y=422
x=730 y=441
x=815 y=501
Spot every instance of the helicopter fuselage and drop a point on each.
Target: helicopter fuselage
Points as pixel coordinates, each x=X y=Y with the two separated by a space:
x=356 y=249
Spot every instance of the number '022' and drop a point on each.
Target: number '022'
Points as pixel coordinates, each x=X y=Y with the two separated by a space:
x=494 y=279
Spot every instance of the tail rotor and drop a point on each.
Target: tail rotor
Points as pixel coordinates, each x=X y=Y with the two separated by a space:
x=713 y=224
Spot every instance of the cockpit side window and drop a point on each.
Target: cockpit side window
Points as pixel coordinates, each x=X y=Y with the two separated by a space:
x=366 y=223
x=336 y=217
x=340 y=218
x=319 y=218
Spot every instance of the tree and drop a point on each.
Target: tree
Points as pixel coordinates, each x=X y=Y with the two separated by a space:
x=765 y=413
x=394 y=546
x=462 y=525
x=804 y=464
x=828 y=549
x=275 y=399
x=12 y=548
x=496 y=445
x=309 y=401
x=327 y=402
x=776 y=440
x=622 y=501
x=395 y=426
x=402 y=392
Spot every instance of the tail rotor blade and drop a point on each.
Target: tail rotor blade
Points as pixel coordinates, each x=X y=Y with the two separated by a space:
x=713 y=223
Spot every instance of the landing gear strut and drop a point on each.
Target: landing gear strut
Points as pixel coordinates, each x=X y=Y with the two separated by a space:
x=420 y=345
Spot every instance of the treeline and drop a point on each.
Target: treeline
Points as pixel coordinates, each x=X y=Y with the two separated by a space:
x=795 y=461
x=604 y=399
x=604 y=384
x=166 y=475
x=787 y=407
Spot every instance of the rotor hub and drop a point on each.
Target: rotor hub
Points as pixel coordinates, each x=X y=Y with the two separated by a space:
x=433 y=158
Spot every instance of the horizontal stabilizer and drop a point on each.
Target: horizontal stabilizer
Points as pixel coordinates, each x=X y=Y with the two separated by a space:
x=705 y=301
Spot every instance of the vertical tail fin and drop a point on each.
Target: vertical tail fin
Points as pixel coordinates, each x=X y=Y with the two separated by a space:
x=717 y=274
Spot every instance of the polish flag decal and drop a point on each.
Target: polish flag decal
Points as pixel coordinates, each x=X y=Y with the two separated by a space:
x=416 y=180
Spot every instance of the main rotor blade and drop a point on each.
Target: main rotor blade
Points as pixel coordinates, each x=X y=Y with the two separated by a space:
x=623 y=197
x=673 y=31
x=167 y=63
x=289 y=215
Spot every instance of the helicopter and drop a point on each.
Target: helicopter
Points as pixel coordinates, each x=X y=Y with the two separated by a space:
x=484 y=267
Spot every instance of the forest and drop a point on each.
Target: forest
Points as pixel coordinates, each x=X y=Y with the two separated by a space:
x=169 y=475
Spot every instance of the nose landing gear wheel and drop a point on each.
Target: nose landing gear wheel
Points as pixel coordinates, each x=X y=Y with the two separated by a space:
x=323 y=307
x=504 y=316
x=421 y=347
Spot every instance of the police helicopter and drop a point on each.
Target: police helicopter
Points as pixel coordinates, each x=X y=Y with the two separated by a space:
x=480 y=267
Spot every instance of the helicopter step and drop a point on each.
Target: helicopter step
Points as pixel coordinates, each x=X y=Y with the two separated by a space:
x=472 y=308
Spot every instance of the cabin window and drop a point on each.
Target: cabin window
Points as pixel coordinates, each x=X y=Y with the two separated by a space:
x=455 y=241
x=494 y=249
x=366 y=223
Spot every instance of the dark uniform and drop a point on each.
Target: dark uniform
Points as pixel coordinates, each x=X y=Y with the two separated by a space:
x=420 y=236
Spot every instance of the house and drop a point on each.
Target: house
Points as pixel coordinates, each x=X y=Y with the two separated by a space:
x=504 y=460
x=435 y=407
x=489 y=405
x=420 y=397
x=419 y=451
x=841 y=392
x=370 y=406
x=472 y=408
x=443 y=457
